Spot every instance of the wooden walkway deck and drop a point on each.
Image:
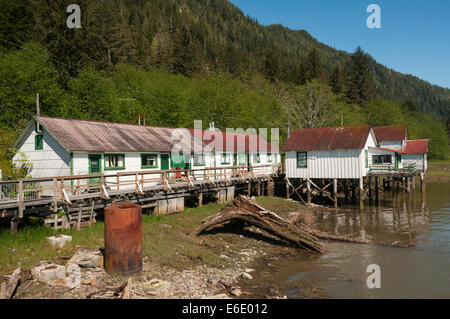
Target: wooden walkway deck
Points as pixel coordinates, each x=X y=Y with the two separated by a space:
x=47 y=195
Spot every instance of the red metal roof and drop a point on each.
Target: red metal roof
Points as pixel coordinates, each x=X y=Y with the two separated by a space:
x=82 y=135
x=235 y=142
x=391 y=133
x=328 y=138
x=416 y=147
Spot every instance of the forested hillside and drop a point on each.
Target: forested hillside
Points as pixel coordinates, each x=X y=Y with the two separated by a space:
x=174 y=61
x=189 y=36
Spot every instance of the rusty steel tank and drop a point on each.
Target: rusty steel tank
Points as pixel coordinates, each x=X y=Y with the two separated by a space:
x=123 y=238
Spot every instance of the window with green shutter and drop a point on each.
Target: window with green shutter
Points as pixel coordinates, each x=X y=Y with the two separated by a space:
x=39 y=142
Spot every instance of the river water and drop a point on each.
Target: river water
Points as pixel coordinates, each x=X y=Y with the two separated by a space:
x=422 y=271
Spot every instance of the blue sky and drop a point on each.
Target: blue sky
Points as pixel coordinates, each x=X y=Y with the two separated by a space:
x=414 y=37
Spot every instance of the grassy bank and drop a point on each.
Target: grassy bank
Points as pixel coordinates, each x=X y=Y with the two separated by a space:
x=164 y=240
x=438 y=170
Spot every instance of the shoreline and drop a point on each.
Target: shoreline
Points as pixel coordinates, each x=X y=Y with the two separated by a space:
x=209 y=266
x=226 y=254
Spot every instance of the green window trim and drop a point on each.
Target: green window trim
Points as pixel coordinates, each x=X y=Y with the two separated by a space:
x=382 y=159
x=39 y=142
x=227 y=162
x=146 y=155
x=299 y=164
x=114 y=168
x=203 y=160
x=257 y=158
x=367 y=158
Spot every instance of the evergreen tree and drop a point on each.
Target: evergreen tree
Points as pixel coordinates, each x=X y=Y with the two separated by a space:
x=336 y=81
x=184 y=59
x=272 y=65
x=360 y=84
x=311 y=66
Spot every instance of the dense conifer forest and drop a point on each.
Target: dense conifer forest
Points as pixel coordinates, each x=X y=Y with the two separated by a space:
x=174 y=61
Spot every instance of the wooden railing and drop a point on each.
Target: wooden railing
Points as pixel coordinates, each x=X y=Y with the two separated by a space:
x=65 y=189
x=392 y=169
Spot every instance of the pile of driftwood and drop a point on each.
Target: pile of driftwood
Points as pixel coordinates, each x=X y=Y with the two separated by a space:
x=300 y=231
x=246 y=210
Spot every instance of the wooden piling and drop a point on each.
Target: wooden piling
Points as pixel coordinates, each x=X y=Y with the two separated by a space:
x=346 y=191
x=249 y=188
x=200 y=199
x=14 y=225
x=361 y=193
x=287 y=189
x=370 y=190
x=308 y=193
x=335 y=193
x=377 y=196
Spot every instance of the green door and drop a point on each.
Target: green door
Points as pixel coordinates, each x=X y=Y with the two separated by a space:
x=235 y=160
x=165 y=160
x=95 y=167
x=398 y=159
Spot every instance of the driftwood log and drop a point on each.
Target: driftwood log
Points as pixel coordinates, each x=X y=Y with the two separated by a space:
x=245 y=209
x=122 y=292
x=7 y=289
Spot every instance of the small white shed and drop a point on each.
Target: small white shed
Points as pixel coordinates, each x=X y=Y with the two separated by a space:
x=329 y=153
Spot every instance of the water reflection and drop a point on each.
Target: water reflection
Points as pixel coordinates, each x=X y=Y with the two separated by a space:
x=419 y=272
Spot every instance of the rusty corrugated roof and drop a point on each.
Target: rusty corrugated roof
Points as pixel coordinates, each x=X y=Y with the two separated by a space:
x=416 y=147
x=328 y=138
x=391 y=133
x=236 y=142
x=94 y=136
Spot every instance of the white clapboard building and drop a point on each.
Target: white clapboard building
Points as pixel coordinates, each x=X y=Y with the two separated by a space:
x=396 y=151
x=329 y=153
x=68 y=147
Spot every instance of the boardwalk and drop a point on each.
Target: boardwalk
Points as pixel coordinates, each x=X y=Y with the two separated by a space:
x=47 y=195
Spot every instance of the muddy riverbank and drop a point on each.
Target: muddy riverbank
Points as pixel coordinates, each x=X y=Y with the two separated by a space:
x=422 y=271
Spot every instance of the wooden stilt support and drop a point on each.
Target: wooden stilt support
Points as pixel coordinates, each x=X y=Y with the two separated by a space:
x=259 y=189
x=335 y=193
x=377 y=195
x=408 y=184
x=346 y=191
x=287 y=189
x=14 y=225
x=200 y=199
x=361 y=193
x=249 y=188
x=398 y=185
x=370 y=191
x=308 y=193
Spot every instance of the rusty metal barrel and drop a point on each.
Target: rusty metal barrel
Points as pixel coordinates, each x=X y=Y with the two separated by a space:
x=123 y=238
